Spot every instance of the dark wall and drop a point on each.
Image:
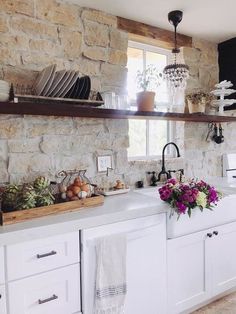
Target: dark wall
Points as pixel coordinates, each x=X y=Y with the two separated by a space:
x=227 y=64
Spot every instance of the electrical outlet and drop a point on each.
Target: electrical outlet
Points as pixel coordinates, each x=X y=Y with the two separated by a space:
x=104 y=162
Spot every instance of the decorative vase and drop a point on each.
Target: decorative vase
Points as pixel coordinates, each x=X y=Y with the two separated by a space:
x=196 y=107
x=145 y=101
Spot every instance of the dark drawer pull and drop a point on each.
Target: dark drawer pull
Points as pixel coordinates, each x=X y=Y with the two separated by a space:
x=54 y=297
x=46 y=254
x=209 y=235
x=215 y=232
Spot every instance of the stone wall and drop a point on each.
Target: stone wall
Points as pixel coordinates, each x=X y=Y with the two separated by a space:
x=202 y=60
x=41 y=32
x=36 y=33
x=204 y=158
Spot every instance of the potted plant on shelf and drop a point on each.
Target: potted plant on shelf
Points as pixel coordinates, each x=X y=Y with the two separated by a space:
x=147 y=81
x=198 y=101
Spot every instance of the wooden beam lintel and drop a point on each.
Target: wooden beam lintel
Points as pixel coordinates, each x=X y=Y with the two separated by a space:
x=156 y=33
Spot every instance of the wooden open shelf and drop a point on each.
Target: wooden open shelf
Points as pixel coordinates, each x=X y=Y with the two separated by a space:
x=82 y=110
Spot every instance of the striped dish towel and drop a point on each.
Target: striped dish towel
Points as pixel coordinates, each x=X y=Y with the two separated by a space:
x=110 y=285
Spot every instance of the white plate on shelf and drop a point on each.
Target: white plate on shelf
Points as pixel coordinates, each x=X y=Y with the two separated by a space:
x=43 y=78
x=66 y=82
x=57 y=79
x=48 y=85
x=114 y=192
x=70 y=83
x=59 y=86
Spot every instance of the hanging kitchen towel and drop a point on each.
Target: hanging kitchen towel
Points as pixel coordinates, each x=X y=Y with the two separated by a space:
x=110 y=285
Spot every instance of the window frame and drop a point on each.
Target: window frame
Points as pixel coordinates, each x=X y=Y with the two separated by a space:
x=170 y=124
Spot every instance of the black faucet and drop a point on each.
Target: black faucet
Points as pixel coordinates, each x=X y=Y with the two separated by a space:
x=163 y=169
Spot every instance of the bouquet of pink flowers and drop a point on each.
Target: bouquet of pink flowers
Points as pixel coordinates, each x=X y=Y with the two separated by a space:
x=183 y=197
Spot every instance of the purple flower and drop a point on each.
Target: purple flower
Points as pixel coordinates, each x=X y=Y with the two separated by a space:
x=172 y=181
x=189 y=195
x=201 y=184
x=165 y=193
x=182 y=196
x=181 y=207
x=212 y=196
x=184 y=187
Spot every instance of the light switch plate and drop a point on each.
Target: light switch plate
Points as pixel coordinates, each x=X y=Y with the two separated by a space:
x=104 y=162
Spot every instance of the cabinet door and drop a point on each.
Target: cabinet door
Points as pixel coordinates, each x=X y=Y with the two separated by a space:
x=146 y=264
x=54 y=292
x=146 y=271
x=188 y=282
x=222 y=258
x=2 y=300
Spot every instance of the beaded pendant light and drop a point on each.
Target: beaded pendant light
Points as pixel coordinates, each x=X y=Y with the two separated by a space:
x=176 y=73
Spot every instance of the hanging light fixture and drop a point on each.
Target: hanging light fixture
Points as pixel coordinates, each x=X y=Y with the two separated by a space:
x=176 y=73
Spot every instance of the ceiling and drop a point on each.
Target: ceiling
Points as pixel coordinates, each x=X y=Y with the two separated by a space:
x=212 y=20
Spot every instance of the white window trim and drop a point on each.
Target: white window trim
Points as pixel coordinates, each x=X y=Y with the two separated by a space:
x=170 y=124
x=145 y=47
x=169 y=152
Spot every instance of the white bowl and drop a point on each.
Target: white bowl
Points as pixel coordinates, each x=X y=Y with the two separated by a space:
x=4 y=97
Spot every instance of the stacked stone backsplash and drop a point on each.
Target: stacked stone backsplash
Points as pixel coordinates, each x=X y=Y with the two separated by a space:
x=202 y=158
x=42 y=32
x=34 y=34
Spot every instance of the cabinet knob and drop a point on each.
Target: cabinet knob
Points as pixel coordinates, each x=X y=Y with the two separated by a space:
x=215 y=232
x=209 y=235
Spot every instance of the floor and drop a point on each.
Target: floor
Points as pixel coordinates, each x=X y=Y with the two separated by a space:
x=226 y=305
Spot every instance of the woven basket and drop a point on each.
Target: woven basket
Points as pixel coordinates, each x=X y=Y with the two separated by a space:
x=198 y=107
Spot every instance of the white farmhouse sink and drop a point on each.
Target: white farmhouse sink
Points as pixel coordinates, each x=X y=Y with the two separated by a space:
x=224 y=212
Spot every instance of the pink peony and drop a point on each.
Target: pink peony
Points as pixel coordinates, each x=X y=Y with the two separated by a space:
x=165 y=193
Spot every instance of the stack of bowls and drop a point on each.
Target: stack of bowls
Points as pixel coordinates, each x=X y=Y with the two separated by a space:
x=4 y=90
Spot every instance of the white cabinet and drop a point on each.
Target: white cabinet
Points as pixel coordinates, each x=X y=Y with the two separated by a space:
x=187 y=271
x=200 y=266
x=222 y=258
x=146 y=264
x=2 y=266
x=42 y=255
x=2 y=300
x=56 y=291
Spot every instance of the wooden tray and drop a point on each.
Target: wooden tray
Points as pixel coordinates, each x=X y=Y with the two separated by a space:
x=66 y=207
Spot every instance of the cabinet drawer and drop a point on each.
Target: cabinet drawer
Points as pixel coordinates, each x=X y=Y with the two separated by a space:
x=56 y=292
x=37 y=256
x=2 y=267
x=3 y=309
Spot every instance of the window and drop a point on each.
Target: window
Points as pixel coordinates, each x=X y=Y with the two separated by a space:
x=147 y=137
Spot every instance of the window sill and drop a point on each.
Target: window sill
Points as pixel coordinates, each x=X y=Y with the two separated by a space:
x=157 y=159
x=142 y=161
x=144 y=158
